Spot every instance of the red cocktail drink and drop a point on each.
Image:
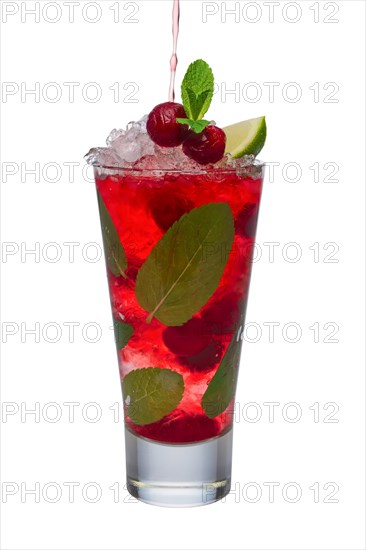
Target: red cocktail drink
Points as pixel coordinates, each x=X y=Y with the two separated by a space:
x=144 y=207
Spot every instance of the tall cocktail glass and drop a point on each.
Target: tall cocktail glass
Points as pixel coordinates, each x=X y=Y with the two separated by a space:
x=178 y=248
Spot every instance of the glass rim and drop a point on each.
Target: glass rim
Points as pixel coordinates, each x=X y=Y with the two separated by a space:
x=256 y=164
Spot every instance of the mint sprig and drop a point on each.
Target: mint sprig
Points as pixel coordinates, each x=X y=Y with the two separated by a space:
x=197 y=92
x=196 y=125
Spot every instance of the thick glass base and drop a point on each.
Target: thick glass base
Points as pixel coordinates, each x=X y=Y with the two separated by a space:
x=176 y=475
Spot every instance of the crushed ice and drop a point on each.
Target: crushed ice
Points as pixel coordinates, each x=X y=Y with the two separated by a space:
x=133 y=143
x=133 y=148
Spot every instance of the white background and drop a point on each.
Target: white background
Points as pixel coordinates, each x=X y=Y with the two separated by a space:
x=325 y=60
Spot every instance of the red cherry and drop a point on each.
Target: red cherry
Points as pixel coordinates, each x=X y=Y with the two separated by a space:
x=162 y=125
x=206 y=147
x=246 y=222
x=221 y=316
x=167 y=206
x=204 y=360
x=188 y=339
x=182 y=428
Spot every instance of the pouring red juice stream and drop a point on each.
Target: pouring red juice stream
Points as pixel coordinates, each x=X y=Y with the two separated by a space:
x=174 y=59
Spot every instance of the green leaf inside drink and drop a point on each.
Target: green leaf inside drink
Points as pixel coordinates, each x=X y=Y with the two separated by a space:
x=152 y=393
x=113 y=249
x=185 y=267
x=122 y=333
x=222 y=387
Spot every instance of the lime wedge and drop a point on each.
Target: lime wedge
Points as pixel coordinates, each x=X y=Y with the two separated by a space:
x=246 y=138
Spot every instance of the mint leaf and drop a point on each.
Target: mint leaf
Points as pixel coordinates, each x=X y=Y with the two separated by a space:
x=152 y=393
x=185 y=267
x=221 y=389
x=196 y=125
x=113 y=249
x=122 y=333
x=197 y=89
